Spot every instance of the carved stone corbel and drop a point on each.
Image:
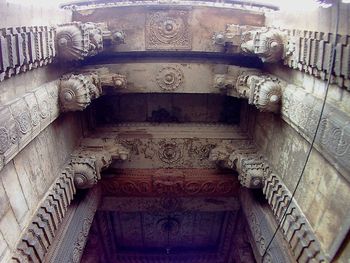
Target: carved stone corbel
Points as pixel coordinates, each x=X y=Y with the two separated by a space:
x=92 y=157
x=271 y=45
x=76 y=40
x=263 y=91
x=77 y=91
x=244 y=159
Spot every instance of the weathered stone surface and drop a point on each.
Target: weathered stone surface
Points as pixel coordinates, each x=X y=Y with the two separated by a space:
x=10 y=228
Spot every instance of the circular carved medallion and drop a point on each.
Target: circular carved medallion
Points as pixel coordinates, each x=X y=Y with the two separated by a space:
x=170 y=78
x=24 y=122
x=4 y=140
x=169 y=153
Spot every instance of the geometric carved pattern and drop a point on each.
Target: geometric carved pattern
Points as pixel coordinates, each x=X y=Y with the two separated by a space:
x=23 y=119
x=168 y=30
x=244 y=159
x=25 y=48
x=40 y=234
x=296 y=229
x=173 y=182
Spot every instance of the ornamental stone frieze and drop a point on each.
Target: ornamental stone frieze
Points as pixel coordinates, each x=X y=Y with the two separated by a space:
x=78 y=90
x=263 y=91
x=91 y=157
x=244 y=158
x=24 y=118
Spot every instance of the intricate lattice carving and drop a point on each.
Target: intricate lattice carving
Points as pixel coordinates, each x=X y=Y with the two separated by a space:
x=77 y=91
x=244 y=159
x=25 y=48
x=91 y=158
x=76 y=40
x=168 y=30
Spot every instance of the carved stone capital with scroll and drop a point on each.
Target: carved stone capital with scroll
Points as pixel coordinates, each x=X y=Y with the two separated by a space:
x=244 y=159
x=92 y=157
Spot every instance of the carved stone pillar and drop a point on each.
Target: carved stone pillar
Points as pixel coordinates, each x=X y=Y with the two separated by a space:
x=76 y=40
x=244 y=159
x=93 y=156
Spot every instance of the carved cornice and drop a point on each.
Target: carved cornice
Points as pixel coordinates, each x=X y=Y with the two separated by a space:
x=23 y=119
x=262 y=229
x=296 y=229
x=25 y=48
x=40 y=233
x=263 y=91
x=75 y=231
x=93 y=156
x=244 y=159
x=307 y=51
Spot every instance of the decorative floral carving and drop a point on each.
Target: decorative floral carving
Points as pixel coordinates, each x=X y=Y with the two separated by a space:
x=35 y=115
x=168 y=30
x=169 y=152
x=170 y=78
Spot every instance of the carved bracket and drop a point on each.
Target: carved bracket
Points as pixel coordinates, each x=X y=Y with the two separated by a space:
x=244 y=159
x=77 y=91
x=92 y=157
x=271 y=45
x=76 y=40
x=263 y=91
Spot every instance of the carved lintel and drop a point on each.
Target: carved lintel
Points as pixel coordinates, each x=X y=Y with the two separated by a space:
x=244 y=159
x=77 y=91
x=92 y=157
x=114 y=80
x=76 y=40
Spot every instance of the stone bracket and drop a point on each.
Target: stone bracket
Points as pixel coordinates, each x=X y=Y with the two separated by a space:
x=263 y=91
x=244 y=158
x=91 y=157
